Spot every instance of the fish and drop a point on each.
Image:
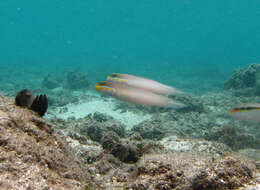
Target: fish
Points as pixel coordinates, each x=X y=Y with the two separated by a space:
x=142 y=83
x=135 y=95
x=247 y=112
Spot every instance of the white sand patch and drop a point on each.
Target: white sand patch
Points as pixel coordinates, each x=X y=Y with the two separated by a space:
x=81 y=110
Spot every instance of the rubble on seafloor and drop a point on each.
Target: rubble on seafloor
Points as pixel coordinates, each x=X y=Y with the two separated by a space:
x=195 y=148
x=205 y=117
x=33 y=156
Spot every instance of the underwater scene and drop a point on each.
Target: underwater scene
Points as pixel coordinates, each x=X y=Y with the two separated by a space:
x=130 y=95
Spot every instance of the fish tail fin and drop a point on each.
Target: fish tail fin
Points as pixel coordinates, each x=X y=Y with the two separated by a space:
x=175 y=104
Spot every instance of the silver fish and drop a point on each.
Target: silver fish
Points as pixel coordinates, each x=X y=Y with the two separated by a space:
x=135 y=95
x=247 y=112
x=142 y=83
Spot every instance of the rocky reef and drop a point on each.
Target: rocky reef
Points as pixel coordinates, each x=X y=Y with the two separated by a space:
x=99 y=152
x=64 y=88
x=126 y=152
x=77 y=80
x=182 y=172
x=32 y=156
x=247 y=78
x=50 y=82
x=234 y=137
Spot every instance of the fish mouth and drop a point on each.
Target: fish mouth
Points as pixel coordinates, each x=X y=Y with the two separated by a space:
x=105 y=87
x=111 y=76
x=100 y=84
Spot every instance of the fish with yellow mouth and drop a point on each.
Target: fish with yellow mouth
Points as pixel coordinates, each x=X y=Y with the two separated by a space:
x=134 y=93
x=143 y=83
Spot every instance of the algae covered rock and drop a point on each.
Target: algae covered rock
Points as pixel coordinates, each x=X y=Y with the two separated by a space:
x=31 y=156
x=191 y=103
x=126 y=152
x=50 y=82
x=236 y=138
x=150 y=129
x=96 y=125
x=101 y=117
x=77 y=80
x=136 y=137
x=227 y=173
x=171 y=165
x=193 y=172
x=244 y=78
x=110 y=140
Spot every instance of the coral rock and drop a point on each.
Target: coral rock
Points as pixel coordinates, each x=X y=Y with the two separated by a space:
x=77 y=80
x=31 y=156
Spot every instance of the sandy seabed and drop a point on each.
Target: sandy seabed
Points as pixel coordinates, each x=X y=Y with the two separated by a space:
x=100 y=105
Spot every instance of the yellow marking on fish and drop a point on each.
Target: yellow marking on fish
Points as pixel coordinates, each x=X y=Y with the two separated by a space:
x=244 y=109
x=115 y=77
x=104 y=87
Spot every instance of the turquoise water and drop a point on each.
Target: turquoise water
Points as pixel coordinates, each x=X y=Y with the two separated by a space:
x=171 y=41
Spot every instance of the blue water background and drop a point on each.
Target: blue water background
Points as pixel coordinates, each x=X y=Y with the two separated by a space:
x=179 y=42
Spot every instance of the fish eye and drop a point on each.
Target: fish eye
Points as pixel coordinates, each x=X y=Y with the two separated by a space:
x=113 y=75
x=102 y=83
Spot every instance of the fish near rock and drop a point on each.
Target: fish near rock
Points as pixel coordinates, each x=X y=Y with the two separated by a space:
x=135 y=95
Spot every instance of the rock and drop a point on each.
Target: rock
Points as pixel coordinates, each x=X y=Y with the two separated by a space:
x=77 y=80
x=181 y=172
x=136 y=137
x=234 y=137
x=95 y=129
x=106 y=164
x=192 y=103
x=203 y=147
x=50 y=82
x=244 y=78
x=227 y=173
x=110 y=140
x=253 y=154
x=257 y=88
x=60 y=96
x=31 y=156
x=150 y=129
x=125 y=152
x=89 y=152
x=101 y=117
